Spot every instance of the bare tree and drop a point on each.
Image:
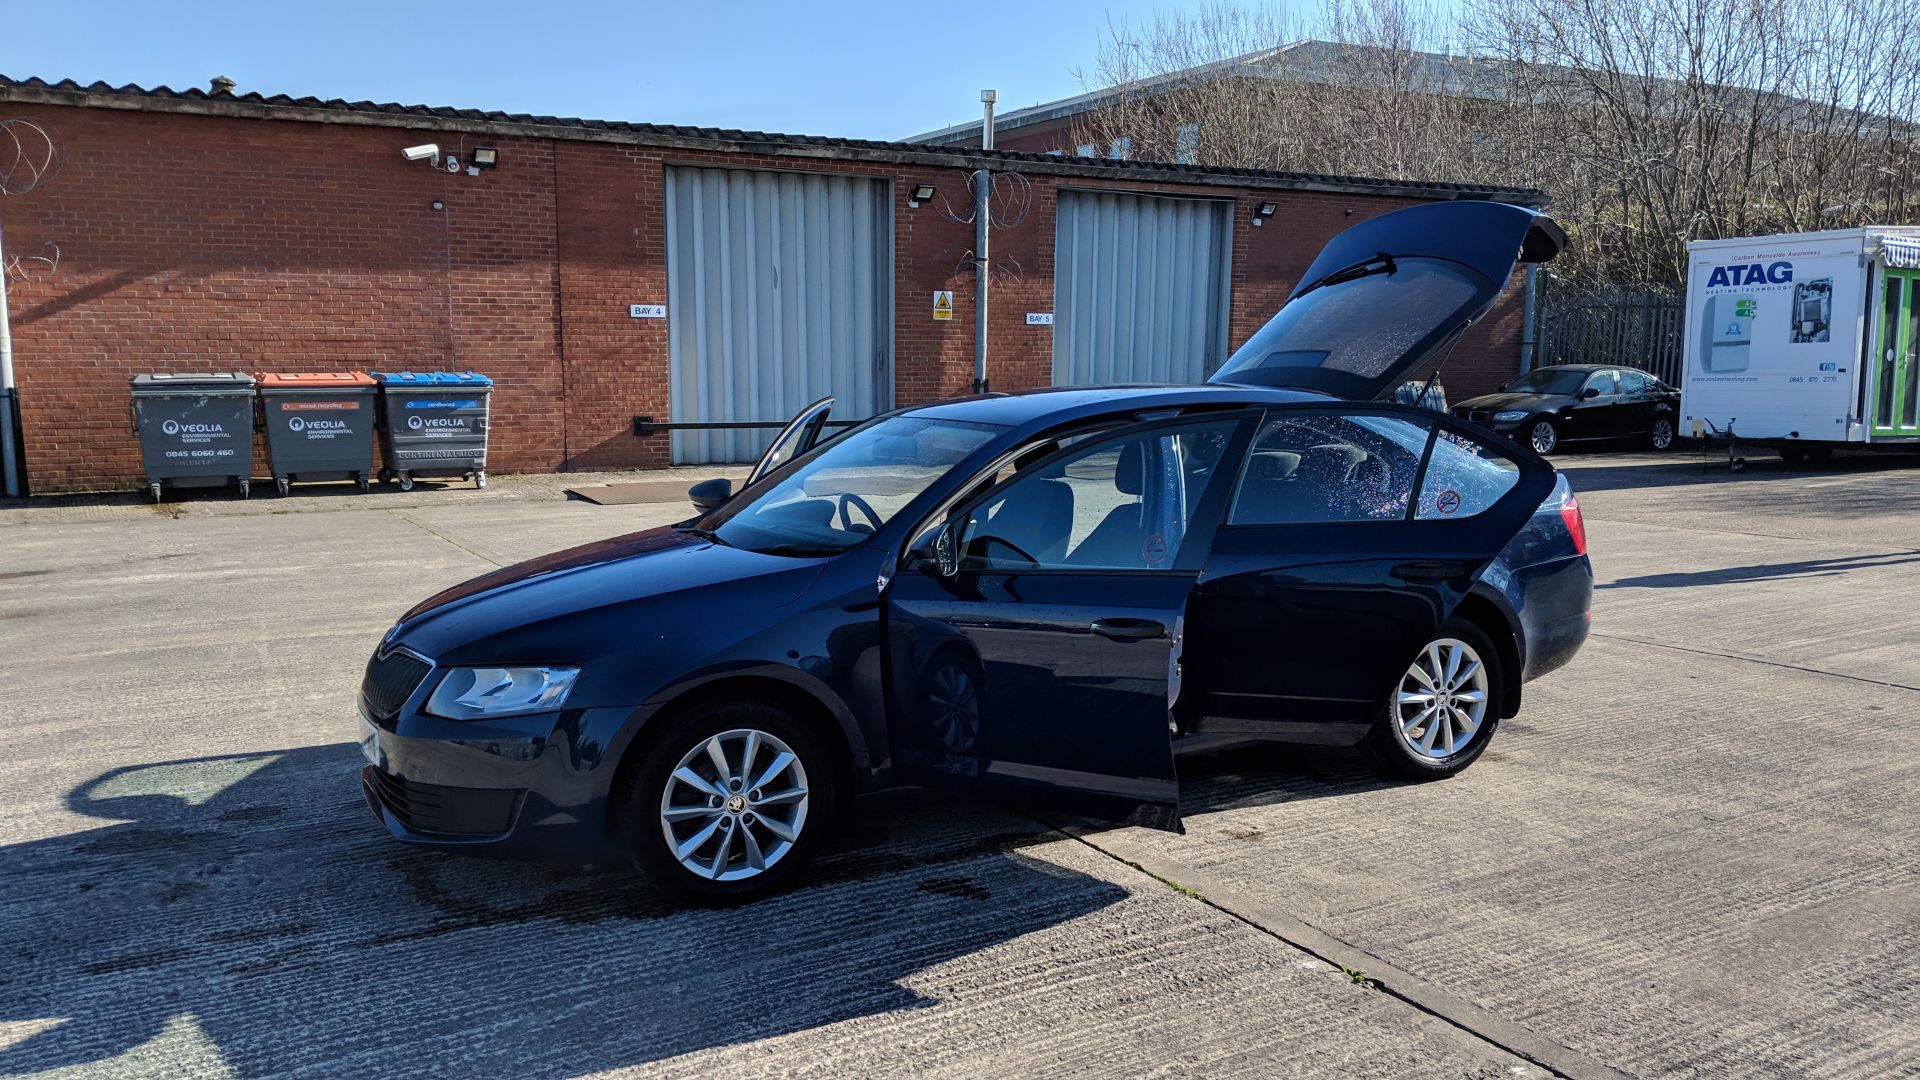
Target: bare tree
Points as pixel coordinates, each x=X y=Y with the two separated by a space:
x=1648 y=122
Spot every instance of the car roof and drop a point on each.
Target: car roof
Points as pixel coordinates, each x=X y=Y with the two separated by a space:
x=1067 y=403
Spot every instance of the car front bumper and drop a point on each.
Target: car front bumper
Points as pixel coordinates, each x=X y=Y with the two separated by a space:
x=529 y=787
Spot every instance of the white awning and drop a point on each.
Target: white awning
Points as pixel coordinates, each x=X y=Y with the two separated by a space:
x=1901 y=251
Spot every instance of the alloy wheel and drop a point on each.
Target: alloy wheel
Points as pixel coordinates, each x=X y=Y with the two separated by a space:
x=1662 y=433
x=735 y=805
x=1442 y=700
x=956 y=708
x=1543 y=437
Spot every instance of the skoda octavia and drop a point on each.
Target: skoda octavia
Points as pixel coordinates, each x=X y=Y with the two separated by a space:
x=1043 y=595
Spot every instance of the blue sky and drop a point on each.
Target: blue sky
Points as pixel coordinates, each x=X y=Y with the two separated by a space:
x=858 y=68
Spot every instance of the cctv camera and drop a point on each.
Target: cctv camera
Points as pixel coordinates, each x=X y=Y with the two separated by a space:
x=424 y=152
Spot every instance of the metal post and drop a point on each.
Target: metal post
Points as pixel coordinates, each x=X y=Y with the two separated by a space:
x=9 y=458
x=1527 y=317
x=982 y=227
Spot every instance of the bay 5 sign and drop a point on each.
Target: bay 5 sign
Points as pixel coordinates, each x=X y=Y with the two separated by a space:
x=1044 y=597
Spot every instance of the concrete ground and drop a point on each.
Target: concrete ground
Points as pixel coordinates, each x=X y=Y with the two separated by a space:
x=1693 y=854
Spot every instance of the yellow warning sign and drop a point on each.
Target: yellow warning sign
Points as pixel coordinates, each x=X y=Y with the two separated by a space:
x=943 y=305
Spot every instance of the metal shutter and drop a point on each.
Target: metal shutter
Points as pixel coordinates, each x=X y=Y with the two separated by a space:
x=779 y=291
x=1139 y=288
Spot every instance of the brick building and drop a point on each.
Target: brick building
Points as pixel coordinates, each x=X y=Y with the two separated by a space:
x=207 y=231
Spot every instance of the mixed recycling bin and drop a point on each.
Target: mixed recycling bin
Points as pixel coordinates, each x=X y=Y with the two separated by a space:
x=319 y=426
x=434 y=423
x=195 y=430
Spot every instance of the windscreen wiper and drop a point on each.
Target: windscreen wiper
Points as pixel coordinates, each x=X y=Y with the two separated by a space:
x=1380 y=263
x=705 y=534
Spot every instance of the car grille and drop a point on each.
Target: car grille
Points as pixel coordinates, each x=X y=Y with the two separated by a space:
x=390 y=680
x=1479 y=416
x=446 y=811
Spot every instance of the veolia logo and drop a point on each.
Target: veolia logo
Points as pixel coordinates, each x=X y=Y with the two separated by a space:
x=170 y=427
x=301 y=423
x=295 y=423
x=415 y=423
x=174 y=427
x=1774 y=273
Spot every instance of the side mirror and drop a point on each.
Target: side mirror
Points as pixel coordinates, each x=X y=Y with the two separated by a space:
x=1590 y=392
x=708 y=495
x=946 y=552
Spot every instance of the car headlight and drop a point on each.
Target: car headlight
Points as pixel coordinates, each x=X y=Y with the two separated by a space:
x=1509 y=416
x=476 y=693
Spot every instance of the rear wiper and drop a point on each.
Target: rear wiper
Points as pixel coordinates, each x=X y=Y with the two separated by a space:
x=1381 y=263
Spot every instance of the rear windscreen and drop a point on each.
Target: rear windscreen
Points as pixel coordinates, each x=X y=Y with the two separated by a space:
x=1364 y=325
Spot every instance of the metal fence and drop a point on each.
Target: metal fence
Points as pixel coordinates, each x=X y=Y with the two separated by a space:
x=1633 y=327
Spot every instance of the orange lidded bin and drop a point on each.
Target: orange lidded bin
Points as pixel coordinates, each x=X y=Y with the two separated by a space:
x=319 y=425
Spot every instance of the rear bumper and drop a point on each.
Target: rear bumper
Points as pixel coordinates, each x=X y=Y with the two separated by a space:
x=1555 y=612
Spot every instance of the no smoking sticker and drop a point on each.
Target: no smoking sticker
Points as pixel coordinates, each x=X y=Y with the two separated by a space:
x=1154 y=550
x=1448 y=502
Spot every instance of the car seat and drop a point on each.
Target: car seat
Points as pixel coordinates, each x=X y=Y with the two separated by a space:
x=1035 y=516
x=1120 y=537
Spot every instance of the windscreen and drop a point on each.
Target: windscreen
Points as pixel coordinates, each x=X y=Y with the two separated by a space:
x=1357 y=336
x=846 y=489
x=1548 y=381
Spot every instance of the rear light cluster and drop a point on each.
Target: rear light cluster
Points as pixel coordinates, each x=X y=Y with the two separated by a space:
x=1576 y=525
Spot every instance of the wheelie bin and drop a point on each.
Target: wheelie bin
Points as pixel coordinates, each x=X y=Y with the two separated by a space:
x=319 y=426
x=434 y=423
x=195 y=430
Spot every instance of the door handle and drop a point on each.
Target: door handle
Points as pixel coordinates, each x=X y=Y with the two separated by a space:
x=1128 y=629
x=1433 y=570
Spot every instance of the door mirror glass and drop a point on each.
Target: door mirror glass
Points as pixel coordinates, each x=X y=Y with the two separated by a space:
x=946 y=555
x=1589 y=392
x=708 y=495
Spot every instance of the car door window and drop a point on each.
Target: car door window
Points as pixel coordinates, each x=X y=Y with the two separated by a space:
x=1124 y=503
x=1605 y=382
x=1464 y=477
x=1312 y=466
x=1635 y=382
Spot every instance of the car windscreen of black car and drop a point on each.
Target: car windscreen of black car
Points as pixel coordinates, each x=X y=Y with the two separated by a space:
x=846 y=489
x=1547 y=381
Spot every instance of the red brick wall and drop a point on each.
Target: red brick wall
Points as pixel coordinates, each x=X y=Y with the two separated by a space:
x=192 y=243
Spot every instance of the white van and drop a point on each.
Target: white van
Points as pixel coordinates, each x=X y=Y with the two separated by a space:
x=1804 y=342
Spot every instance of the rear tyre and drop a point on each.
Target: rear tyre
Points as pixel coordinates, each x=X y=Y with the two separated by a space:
x=1443 y=711
x=731 y=801
x=1543 y=436
x=1661 y=437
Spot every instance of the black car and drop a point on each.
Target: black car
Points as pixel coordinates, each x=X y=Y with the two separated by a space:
x=1577 y=402
x=1046 y=596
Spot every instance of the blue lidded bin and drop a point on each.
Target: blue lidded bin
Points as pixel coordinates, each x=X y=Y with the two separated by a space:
x=434 y=423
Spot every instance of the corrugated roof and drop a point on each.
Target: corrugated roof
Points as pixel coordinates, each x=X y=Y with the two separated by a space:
x=337 y=110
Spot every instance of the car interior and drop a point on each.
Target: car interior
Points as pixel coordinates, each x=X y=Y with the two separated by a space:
x=1324 y=469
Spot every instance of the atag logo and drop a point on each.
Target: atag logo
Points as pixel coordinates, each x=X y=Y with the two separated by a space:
x=1774 y=273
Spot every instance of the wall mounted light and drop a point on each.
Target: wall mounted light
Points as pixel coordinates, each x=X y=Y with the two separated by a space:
x=484 y=157
x=1262 y=212
x=921 y=193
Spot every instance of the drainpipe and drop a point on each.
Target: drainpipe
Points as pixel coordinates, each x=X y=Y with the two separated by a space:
x=1527 y=319
x=9 y=412
x=982 y=212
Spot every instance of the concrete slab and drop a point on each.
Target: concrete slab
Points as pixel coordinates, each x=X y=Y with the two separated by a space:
x=1692 y=855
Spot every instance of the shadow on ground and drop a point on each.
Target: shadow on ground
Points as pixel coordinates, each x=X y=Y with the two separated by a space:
x=249 y=907
x=1728 y=575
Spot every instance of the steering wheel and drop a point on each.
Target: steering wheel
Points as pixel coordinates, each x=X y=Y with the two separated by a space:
x=848 y=498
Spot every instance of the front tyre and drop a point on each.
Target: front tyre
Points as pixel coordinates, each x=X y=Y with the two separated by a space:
x=1443 y=711
x=731 y=802
x=1543 y=436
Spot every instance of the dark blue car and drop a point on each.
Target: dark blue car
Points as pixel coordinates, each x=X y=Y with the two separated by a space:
x=1043 y=595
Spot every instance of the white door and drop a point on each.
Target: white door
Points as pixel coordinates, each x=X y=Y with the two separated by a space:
x=1139 y=288
x=779 y=291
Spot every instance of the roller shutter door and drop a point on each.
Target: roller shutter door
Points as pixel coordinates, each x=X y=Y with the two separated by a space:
x=778 y=293
x=1139 y=288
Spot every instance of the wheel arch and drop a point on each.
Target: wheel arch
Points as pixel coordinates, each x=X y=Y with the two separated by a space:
x=829 y=718
x=1492 y=616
